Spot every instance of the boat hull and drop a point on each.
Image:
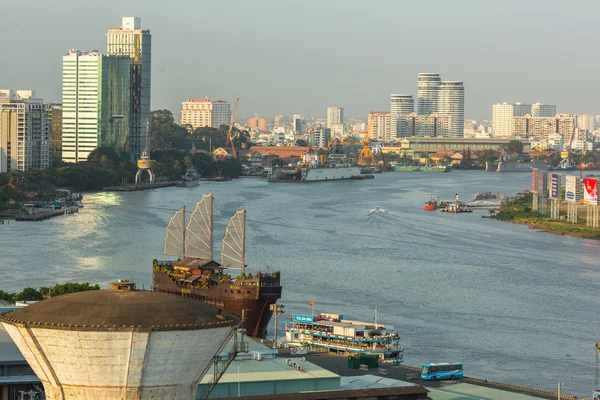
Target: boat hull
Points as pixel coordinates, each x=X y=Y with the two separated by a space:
x=187 y=183
x=330 y=174
x=252 y=301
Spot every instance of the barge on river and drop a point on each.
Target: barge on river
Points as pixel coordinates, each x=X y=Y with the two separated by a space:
x=195 y=274
x=332 y=333
x=313 y=174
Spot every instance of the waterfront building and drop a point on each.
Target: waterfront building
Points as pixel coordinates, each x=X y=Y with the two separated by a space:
x=320 y=137
x=96 y=110
x=200 y=113
x=25 y=133
x=428 y=86
x=55 y=120
x=587 y=122
x=543 y=110
x=400 y=105
x=430 y=125
x=335 y=115
x=503 y=120
x=415 y=146
x=544 y=127
x=136 y=43
x=451 y=101
x=380 y=126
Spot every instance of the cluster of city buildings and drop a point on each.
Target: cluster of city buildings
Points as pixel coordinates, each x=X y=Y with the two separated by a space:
x=543 y=126
x=105 y=102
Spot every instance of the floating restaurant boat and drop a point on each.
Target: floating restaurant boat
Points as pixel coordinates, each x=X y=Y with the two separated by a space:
x=333 y=333
x=195 y=274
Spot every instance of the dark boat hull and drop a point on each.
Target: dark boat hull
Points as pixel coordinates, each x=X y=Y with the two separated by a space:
x=253 y=302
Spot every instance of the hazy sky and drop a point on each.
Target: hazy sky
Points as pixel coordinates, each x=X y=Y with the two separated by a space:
x=284 y=56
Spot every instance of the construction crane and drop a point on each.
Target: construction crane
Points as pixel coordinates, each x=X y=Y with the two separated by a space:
x=229 y=136
x=365 y=157
x=566 y=163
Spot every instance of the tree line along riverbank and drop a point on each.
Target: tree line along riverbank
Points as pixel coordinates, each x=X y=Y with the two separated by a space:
x=520 y=211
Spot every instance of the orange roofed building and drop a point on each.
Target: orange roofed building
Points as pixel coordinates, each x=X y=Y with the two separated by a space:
x=281 y=151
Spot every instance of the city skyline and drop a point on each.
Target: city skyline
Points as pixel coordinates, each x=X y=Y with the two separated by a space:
x=480 y=50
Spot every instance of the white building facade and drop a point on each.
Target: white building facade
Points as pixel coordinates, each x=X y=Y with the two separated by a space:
x=428 y=87
x=200 y=113
x=503 y=120
x=335 y=115
x=133 y=41
x=25 y=131
x=400 y=105
x=380 y=126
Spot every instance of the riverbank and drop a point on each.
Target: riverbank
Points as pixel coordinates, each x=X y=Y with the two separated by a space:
x=519 y=211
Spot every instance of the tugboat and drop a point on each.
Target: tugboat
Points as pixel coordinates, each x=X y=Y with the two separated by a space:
x=195 y=274
x=432 y=204
x=191 y=178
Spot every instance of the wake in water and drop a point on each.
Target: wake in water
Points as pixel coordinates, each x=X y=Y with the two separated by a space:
x=376 y=210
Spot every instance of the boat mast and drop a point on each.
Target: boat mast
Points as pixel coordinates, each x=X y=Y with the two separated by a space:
x=183 y=231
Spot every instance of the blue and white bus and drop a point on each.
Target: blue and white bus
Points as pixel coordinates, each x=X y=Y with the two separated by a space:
x=439 y=371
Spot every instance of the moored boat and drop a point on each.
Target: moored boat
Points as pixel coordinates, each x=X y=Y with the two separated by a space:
x=333 y=333
x=195 y=274
x=432 y=204
x=191 y=178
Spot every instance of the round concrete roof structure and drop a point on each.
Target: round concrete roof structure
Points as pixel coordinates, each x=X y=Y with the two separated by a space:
x=120 y=310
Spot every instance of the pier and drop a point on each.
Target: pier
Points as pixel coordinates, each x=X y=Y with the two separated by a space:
x=36 y=214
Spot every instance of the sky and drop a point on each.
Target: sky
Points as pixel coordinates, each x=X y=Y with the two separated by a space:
x=301 y=56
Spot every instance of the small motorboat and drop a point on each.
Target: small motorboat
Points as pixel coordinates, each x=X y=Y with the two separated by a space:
x=377 y=209
x=432 y=204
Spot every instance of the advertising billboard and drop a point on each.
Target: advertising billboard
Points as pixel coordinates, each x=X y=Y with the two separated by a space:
x=590 y=191
x=564 y=154
x=571 y=188
x=554 y=186
x=542 y=185
x=303 y=318
x=534 y=179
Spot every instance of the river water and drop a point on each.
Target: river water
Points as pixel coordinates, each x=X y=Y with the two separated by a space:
x=514 y=305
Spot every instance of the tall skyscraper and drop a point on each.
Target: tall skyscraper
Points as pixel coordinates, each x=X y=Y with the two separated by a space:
x=428 y=86
x=503 y=120
x=132 y=41
x=335 y=115
x=451 y=101
x=587 y=122
x=24 y=131
x=96 y=110
x=380 y=126
x=543 y=110
x=200 y=113
x=55 y=119
x=400 y=104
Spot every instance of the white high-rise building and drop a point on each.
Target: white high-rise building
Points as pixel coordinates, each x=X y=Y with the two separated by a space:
x=587 y=122
x=503 y=120
x=133 y=41
x=96 y=110
x=337 y=131
x=380 y=126
x=200 y=113
x=335 y=115
x=298 y=125
x=451 y=101
x=428 y=86
x=24 y=131
x=400 y=104
x=543 y=110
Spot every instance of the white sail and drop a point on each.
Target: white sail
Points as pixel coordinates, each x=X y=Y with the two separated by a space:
x=233 y=253
x=175 y=233
x=199 y=234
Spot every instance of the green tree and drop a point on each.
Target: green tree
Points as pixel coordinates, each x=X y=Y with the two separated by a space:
x=514 y=146
x=104 y=155
x=487 y=156
x=28 y=294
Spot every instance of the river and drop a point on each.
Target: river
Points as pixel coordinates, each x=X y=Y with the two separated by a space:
x=514 y=305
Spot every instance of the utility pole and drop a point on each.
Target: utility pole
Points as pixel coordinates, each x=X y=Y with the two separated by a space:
x=277 y=309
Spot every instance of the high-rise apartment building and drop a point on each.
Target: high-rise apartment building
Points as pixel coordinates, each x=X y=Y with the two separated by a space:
x=442 y=97
x=400 y=104
x=587 y=122
x=335 y=115
x=133 y=41
x=96 y=110
x=503 y=120
x=337 y=131
x=543 y=110
x=298 y=124
x=24 y=131
x=380 y=126
x=429 y=125
x=55 y=119
x=320 y=137
x=201 y=113
x=545 y=127
x=428 y=86
x=451 y=101
x=257 y=124
x=521 y=110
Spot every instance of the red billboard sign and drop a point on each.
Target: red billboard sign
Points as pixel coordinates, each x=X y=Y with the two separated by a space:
x=590 y=191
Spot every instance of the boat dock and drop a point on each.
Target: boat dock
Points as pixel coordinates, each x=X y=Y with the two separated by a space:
x=39 y=214
x=141 y=186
